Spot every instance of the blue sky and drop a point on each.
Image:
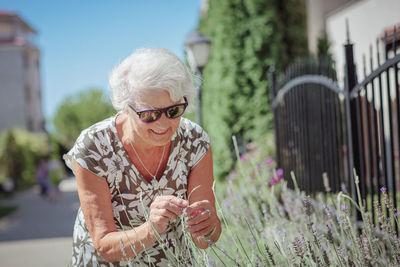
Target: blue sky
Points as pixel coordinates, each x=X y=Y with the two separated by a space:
x=81 y=41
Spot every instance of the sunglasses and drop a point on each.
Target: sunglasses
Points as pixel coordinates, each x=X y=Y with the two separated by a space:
x=152 y=115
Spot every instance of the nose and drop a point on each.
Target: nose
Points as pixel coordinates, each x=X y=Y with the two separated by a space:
x=163 y=121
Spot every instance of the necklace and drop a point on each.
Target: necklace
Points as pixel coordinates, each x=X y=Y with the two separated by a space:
x=141 y=162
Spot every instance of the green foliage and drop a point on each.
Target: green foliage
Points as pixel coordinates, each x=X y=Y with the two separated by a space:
x=20 y=152
x=323 y=47
x=79 y=112
x=247 y=37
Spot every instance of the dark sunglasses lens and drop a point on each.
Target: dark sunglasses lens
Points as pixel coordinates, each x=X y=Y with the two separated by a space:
x=175 y=112
x=150 y=116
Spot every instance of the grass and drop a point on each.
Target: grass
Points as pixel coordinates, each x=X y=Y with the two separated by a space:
x=7 y=210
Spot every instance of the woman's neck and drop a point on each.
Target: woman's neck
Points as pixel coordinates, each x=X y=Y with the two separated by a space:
x=128 y=137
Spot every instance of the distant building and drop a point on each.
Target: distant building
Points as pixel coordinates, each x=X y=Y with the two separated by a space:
x=20 y=89
x=368 y=21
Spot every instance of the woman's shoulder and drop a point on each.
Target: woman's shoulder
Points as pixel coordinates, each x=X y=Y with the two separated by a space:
x=187 y=125
x=192 y=130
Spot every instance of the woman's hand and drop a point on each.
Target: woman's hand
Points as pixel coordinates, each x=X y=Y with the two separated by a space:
x=163 y=209
x=202 y=218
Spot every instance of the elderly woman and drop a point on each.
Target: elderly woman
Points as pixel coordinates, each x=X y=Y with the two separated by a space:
x=144 y=176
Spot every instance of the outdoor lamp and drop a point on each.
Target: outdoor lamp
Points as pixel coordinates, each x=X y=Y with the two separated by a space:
x=197 y=48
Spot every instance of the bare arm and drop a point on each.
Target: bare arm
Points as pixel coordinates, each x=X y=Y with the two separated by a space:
x=202 y=198
x=95 y=198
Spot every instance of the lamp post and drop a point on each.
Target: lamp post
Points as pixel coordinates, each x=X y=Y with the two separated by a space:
x=197 y=48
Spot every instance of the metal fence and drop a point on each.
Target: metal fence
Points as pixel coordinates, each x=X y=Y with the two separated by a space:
x=323 y=130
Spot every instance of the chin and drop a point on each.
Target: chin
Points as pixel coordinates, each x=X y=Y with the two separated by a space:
x=160 y=140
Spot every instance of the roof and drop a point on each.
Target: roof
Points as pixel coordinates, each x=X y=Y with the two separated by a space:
x=391 y=34
x=11 y=16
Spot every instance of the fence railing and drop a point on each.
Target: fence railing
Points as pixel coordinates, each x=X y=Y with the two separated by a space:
x=323 y=130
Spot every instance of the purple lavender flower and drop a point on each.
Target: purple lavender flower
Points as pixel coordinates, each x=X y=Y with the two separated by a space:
x=279 y=173
x=270 y=161
x=344 y=207
x=343 y=186
x=181 y=180
x=223 y=250
x=383 y=189
x=250 y=146
x=122 y=248
x=272 y=182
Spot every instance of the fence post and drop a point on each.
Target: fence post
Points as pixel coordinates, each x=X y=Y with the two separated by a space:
x=351 y=116
x=272 y=95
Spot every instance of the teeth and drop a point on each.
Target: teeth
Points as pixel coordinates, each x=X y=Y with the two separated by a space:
x=159 y=132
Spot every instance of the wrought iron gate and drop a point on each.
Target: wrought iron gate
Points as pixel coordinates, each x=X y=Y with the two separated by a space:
x=323 y=130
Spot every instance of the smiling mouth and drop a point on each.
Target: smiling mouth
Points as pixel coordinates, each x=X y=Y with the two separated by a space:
x=159 y=133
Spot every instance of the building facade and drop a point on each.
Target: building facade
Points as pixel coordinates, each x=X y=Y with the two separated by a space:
x=368 y=20
x=20 y=87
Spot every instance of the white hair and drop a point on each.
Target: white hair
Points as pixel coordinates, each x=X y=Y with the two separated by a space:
x=151 y=68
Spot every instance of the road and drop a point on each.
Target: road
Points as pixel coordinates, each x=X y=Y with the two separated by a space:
x=39 y=232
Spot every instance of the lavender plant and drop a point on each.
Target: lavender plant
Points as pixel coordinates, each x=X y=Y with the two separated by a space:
x=267 y=224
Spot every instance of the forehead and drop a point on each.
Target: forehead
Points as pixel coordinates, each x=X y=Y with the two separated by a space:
x=153 y=98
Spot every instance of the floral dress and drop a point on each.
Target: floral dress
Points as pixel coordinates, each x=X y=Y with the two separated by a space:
x=99 y=150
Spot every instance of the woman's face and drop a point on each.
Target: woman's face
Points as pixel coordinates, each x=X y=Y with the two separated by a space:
x=157 y=133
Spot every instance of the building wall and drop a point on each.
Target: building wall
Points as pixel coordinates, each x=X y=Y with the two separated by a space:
x=367 y=21
x=20 y=88
x=35 y=117
x=12 y=95
x=317 y=11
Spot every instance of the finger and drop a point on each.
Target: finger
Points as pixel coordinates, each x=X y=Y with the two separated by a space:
x=172 y=207
x=200 y=229
x=180 y=202
x=204 y=215
x=197 y=205
x=165 y=213
x=177 y=210
x=203 y=231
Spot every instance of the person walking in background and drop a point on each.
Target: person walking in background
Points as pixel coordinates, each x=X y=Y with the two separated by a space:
x=139 y=171
x=42 y=176
x=49 y=175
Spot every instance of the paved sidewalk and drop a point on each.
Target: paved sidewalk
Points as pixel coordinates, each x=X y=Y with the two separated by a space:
x=39 y=232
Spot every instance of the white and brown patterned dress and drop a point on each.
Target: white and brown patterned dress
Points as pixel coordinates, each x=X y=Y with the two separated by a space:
x=100 y=150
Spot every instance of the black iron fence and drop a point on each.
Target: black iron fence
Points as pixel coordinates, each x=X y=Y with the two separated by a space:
x=324 y=131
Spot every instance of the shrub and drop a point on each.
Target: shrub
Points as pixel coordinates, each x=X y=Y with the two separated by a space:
x=20 y=152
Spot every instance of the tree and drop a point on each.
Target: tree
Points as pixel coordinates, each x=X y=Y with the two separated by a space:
x=79 y=112
x=247 y=37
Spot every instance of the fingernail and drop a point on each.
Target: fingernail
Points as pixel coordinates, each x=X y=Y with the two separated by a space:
x=185 y=202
